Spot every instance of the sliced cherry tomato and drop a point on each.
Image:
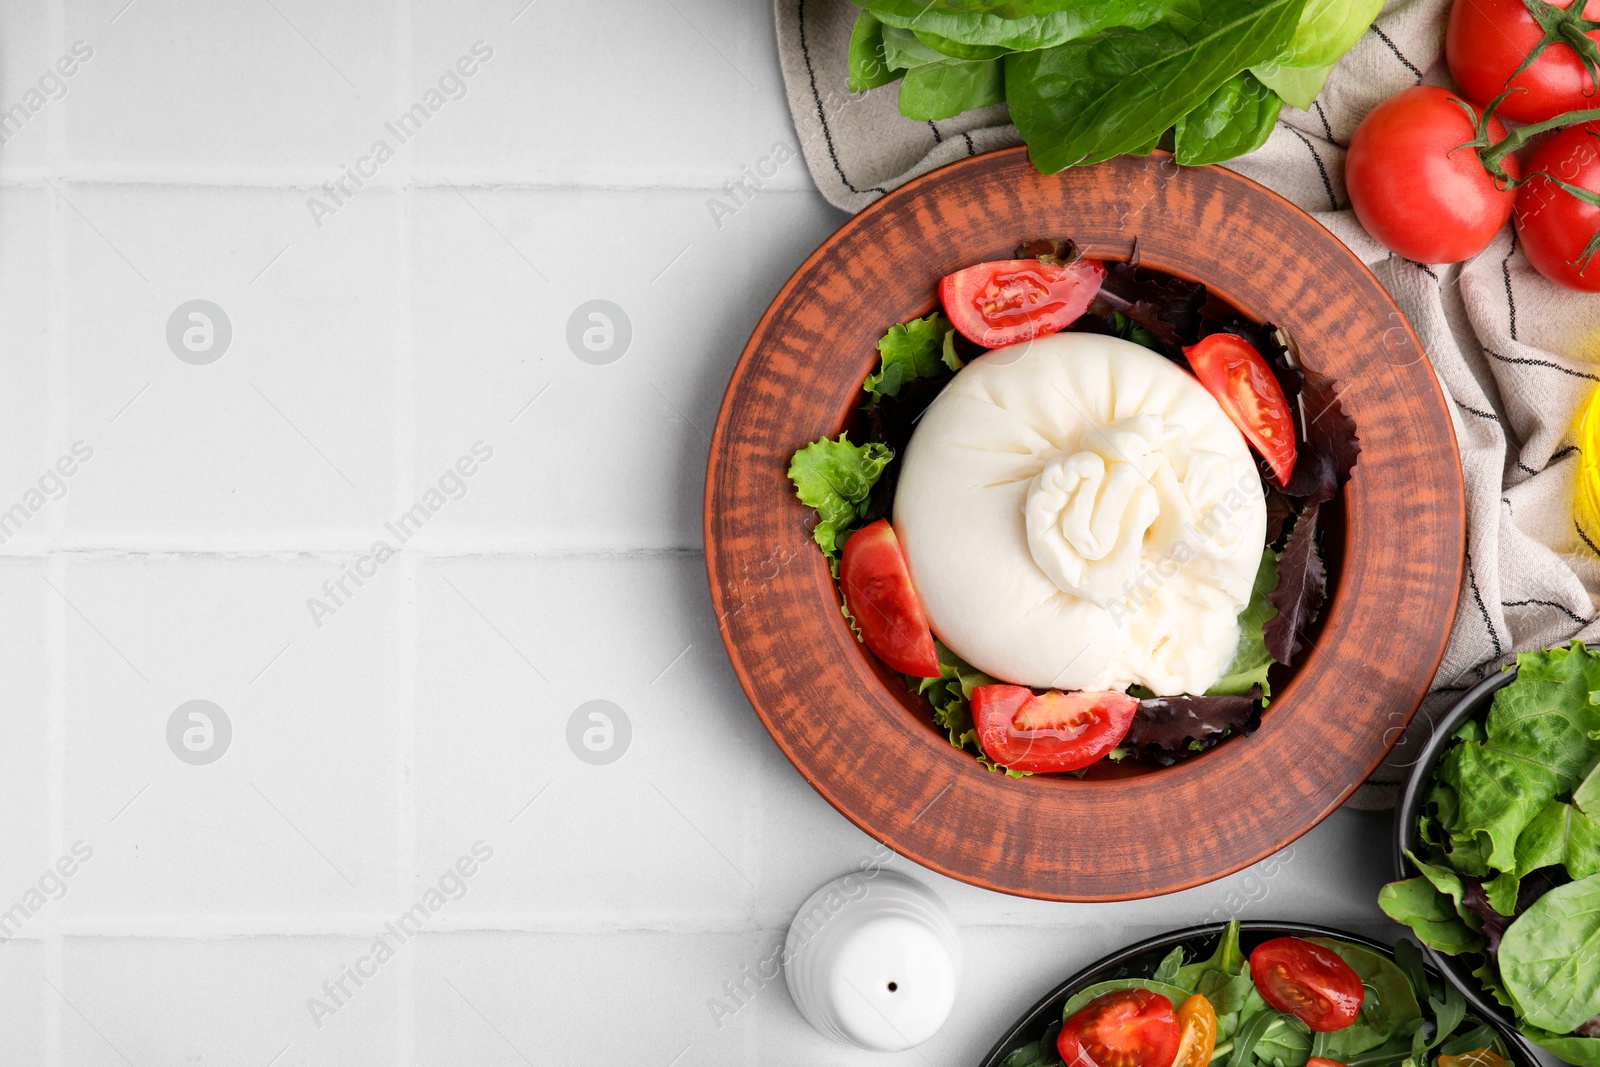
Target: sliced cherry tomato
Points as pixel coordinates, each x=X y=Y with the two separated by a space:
x=878 y=591
x=1487 y=41
x=1307 y=981
x=1125 y=1028
x=1197 y=1025
x=1054 y=731
x=1233 y=371
x=1323 y=1061
x=1556 y=227
x=1478 y=1057
x=1414 y=186
x=1013 y=300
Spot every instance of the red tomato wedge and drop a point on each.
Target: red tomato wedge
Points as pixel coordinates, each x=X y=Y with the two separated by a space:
x=1307 y=981
x=1233 y=371
x=878 y=591
x=1125 y=1028
x=1323 y=1061
x=1052 y=732
x=1012 y=300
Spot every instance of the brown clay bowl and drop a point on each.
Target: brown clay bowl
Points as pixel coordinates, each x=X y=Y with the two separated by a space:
x=851 y=726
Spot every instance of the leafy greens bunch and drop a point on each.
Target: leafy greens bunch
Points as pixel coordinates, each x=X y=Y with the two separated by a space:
x=1090 y=79
x=851 y=484
x=1511 y=851
x=1406 y=1018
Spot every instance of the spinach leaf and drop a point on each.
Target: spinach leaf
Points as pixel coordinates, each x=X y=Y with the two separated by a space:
x=1082 y=997
x=1298 y=86
x=869 y=67
x=1116 y=91
x=1549 y=957
x=1302 y=585
x=1020 y=31
x=1236 y=119
x=1251 y=660
x=1416 y=903
x=836 y=477
x=944 y=90
x=1227 y=993
x=1327 y=30
x=1388 y=1002
x=1286 y=1042
x=1580 y=1050
x=910 y=350
x=1040 y=1053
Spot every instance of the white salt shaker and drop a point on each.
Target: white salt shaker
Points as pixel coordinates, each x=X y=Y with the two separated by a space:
x=874 y=961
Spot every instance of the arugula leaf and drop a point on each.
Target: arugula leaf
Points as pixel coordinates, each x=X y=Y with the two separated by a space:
x=1114 y=92
x=1286 y=1042
x=1302 y=585
x=1251 y=1031
x=1416 y=903
x=869 y=67
x=1251 y=660
x=1006 y=23
x=1550 y=957
x=944 y=90
x=836 y=477
x=1388 y=1004
x=1236 y=119
x=910 y=350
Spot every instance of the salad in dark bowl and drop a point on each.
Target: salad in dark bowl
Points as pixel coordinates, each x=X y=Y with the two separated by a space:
x=1498 y=847
x=1259 y=994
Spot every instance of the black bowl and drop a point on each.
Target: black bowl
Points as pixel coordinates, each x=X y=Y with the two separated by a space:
x=1474 y=703
x=1199 y=942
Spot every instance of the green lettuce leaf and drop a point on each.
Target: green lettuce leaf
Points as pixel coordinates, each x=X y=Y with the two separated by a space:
x=1549 y=958
x=1419 y=905
x=1252 y=661
x=944 y=90
x=1236 y=119
x=1584 y=1051
x=1052 y=22
x=869 y=67
x=903 y=51
x=1560 y=835
x=1327 y=30
x=1116 y=91
x=1388 y=1006
x=836 y=477
x=1297 y=86
x=959 y=49
x=911 y=350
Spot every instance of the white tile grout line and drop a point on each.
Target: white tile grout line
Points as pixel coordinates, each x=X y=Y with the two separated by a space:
x=54 y=1013
x=405 y=395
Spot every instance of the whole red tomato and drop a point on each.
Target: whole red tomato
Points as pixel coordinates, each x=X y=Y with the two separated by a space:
x=1414 y=189
x=1555 y=226
x=1487 y=41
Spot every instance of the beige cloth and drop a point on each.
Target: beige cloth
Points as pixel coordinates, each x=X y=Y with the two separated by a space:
x=1515 y=354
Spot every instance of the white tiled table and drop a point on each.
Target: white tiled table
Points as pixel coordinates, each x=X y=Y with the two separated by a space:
x=373 y=745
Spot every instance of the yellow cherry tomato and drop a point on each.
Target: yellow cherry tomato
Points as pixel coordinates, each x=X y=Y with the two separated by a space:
x=1197 y=1033
x=1478 y=1057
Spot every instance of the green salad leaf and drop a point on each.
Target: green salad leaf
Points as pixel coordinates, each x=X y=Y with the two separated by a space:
x=1550 y=957
x=1584 y=1051
x=910 y=350
x=1297 y=86
x=1560 y=835
x=1022 y=31
x=959 y=49
x=1113 y=92
x=1236 y=119
x=1416 y=903
x=945 y=89
x=1327 y=30
x=1388 y=1004
x=836 y=477
x=1173 y=993
x=868 y=65
x=1252 y=660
